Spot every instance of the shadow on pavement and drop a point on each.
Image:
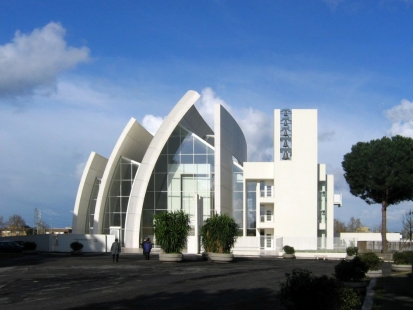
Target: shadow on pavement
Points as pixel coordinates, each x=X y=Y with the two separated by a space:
x=197 y=299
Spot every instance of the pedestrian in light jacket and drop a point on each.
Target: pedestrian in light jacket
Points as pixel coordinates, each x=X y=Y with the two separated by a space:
x=115 y=249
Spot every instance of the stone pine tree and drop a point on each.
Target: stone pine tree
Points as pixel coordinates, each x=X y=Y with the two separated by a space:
x=381 y=171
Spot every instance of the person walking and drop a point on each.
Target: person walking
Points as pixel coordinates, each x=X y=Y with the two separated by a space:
x=143 y=247
x=147 y=246
x=115 y=249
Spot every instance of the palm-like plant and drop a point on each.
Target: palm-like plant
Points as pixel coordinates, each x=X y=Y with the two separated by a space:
x=171 y=230
x=219 y=233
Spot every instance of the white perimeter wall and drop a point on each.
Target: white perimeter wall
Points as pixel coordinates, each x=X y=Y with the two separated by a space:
x=350 y=238
x=61 y=243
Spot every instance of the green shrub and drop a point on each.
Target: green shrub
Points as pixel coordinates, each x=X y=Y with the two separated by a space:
x=288 y=249
x=353 y=270
x=403 y=258
x=76 y=246
x=30 y=246
x=302 y=290
x=171 y=230
x=372 y=261
x=219 y=233
x=352 y=250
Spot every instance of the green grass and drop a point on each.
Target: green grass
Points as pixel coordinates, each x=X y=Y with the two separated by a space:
x=394 y=292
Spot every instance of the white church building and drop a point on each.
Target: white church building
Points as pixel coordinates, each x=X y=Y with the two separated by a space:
x=189 y=166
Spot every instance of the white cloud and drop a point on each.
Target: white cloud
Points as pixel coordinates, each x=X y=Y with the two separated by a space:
x=32 y=61
x=152 y=123
x=206 y=103
x=256 y=125
x=401 y=117
x=326 y=135
x=258 y=130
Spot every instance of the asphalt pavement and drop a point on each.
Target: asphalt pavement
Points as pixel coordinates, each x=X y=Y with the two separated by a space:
x=62 y=281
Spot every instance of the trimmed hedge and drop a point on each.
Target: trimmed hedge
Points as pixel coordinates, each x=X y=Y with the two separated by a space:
x=372 y=261
x=352 y=250
x=302 y=290
x=403 y=258
x=288 y=249
x=353 y=270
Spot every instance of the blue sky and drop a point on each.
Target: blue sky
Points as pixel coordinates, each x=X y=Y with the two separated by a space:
x=72 y=73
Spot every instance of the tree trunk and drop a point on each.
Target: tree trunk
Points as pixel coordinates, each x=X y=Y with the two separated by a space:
x=383 y=226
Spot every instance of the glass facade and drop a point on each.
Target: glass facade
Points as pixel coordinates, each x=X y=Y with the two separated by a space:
x=118 y=196
x=185 y=169
x=237 y=196
x=92 y=206
x=251 y=208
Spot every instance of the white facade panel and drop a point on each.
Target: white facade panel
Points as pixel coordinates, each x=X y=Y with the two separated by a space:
x=295 y=182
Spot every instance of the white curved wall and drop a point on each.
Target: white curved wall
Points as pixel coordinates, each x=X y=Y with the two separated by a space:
x=184 y=112
x=132 y=143
x=94 y=168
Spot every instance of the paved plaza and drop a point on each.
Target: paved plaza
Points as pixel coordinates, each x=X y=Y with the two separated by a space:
x=53 y=281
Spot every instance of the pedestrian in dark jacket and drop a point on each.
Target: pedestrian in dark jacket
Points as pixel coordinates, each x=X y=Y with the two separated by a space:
x=115 y=249
x=143 y=248
x=147 y=246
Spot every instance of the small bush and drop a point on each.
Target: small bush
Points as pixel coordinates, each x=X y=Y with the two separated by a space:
x=301 y=289
x=372 y=261
x=30 y=246
x=352 y=250
x=288 y=249
x=353 y=270
x=76 y=246
x=403 y=258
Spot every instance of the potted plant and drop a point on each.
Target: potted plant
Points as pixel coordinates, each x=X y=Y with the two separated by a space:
x=351 y=272
x=289 y=251
x=403 y=261
x=171 y=232
x=76 y=247
x=218 y=237
x=373 y=263
x=352 y=252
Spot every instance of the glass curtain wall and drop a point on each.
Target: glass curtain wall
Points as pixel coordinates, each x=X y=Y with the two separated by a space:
x=118 y=197
x=92 y=206
x=185 y=169
x=251 y=208
x=237 y=188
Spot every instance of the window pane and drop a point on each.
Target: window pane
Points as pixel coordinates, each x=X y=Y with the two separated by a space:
x=149 y=201
x=200 y=159
x=162 y=164
x=161 y=181
x=199 y=147
x=161 y=200
x=187 y=145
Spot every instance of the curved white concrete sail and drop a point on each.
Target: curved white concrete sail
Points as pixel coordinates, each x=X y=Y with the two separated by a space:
x=185 y=113
x=94 y=168
x=229 y=141
x=132 y=143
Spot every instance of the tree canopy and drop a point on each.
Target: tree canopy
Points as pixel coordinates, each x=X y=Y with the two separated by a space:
x=381 y=171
